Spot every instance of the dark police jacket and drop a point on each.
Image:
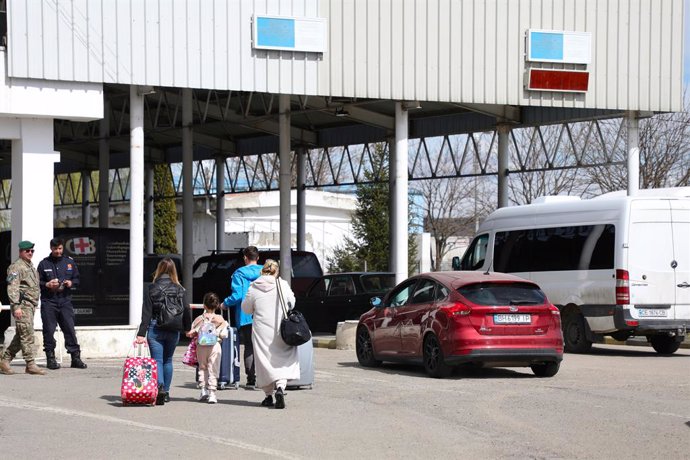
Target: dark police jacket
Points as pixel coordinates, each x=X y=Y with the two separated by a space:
x=62 y=268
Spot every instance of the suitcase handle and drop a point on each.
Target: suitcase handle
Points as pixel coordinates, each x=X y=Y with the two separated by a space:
x=139 y=350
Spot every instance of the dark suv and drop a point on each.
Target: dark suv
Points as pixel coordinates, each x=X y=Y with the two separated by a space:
x=213 y=272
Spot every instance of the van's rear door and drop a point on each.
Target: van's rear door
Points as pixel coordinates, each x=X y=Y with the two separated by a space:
x=680 y=215
x=650 y=257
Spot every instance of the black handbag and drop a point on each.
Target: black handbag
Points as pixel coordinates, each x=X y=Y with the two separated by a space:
x=294 y=329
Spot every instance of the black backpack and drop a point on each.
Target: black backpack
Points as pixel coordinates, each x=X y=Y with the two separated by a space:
x=168 y=306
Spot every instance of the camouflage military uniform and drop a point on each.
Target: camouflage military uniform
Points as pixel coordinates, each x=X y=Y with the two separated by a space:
x=23 y=291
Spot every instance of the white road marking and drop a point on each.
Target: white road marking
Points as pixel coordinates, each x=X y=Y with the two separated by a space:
x=194 y=435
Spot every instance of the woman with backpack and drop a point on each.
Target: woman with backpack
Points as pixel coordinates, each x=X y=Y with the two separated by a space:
x=208 y=329
x=164 y=315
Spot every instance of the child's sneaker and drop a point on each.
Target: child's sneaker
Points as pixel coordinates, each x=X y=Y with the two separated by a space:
x=204 y=394
x=212 y=397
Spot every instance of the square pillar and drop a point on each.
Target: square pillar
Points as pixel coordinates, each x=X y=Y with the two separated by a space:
x=33 y=174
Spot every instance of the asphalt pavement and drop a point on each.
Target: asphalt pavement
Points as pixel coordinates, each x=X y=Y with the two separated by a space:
x=617 y=402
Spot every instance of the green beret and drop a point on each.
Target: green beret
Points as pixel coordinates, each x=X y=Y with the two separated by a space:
x=25 y=244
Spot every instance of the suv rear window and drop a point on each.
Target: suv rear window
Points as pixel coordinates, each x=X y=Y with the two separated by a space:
x=306 y=266
x=503 y=294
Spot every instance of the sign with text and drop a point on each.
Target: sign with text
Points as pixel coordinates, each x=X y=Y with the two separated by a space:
x=559 y=46
x=290 y=33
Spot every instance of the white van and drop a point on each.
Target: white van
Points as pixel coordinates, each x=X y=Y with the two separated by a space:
x=614 y=265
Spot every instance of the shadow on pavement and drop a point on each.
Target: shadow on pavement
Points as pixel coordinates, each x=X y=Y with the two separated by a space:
x=630 y=351
x=116 y=401
x=465 y=371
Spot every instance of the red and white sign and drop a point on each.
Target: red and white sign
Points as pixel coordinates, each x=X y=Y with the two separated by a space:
x=82 y=246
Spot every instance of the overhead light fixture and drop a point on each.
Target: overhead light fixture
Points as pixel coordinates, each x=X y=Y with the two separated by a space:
x=341 y=112
x=411 y=105
x=144 y=90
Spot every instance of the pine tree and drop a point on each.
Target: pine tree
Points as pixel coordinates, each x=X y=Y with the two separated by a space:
x=369 y=246
x=164 y=212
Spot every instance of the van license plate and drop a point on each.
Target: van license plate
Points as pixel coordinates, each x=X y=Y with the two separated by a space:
x=652 y=313
x=504 y=318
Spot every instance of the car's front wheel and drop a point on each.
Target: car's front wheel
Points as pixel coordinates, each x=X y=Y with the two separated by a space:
x=365 y=349
x=545 y=369
x=434 y=362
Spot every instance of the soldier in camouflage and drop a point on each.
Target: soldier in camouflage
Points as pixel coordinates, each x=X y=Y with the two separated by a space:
x=23 y=291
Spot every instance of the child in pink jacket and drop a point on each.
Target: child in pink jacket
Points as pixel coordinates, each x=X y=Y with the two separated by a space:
x=209 y=329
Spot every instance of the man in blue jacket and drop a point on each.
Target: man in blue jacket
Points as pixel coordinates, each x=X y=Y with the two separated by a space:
x=239 y=285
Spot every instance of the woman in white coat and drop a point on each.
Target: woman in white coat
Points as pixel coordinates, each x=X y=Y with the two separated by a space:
x=275 y=362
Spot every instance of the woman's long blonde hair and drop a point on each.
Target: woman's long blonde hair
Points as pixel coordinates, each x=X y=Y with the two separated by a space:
x=270 y=267
x=166 y=267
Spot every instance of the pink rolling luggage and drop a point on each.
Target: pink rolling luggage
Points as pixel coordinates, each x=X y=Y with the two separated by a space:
x=139 y=377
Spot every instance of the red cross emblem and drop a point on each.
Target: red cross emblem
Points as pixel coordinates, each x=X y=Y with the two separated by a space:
x=83 y=246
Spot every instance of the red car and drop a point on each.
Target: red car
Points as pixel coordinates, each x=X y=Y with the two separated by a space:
x=443 y=319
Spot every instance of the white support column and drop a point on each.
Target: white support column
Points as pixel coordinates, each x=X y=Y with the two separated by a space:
x=392 y=258
x=148 y=194
x=284 y=184
x=33 y=174
x=220 y=202
x=503 y=164
x=136 y=203
x=633 y=122
x=301 y=199
x=104 y=168
x=400 y=203
x=85 y=198
x=187 y=193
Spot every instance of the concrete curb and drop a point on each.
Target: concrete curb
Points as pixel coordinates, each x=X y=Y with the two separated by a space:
x=324 y=341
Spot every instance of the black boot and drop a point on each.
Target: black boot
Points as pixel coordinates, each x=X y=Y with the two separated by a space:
x=160 y=399
x=76 y=360
x=51 y=362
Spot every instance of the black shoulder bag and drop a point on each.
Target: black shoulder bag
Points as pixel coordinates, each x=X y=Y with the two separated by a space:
x=171 y=307
x=294 y=329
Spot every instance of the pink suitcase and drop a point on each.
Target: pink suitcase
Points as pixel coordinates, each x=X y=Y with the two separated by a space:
x=139 y=377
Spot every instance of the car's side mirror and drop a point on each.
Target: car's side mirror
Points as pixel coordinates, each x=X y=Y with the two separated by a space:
x=456 y=263
x=376 y=302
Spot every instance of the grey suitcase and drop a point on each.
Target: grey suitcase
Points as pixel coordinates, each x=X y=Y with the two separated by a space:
x=306 y=366
x=229 y=377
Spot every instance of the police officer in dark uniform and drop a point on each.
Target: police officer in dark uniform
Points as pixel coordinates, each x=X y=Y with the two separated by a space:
x=58 y=275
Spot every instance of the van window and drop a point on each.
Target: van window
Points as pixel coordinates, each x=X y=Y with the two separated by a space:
x=476 y=254
x=581 y=247
x=512 y=251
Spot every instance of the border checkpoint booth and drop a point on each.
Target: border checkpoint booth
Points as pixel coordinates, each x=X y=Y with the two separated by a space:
x=81 y=92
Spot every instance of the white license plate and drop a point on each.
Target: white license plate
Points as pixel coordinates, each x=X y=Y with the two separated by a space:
x=505 y=318
x=652 y=313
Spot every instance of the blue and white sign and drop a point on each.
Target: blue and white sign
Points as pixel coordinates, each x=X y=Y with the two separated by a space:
x=559 y=46
x=290 y=33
